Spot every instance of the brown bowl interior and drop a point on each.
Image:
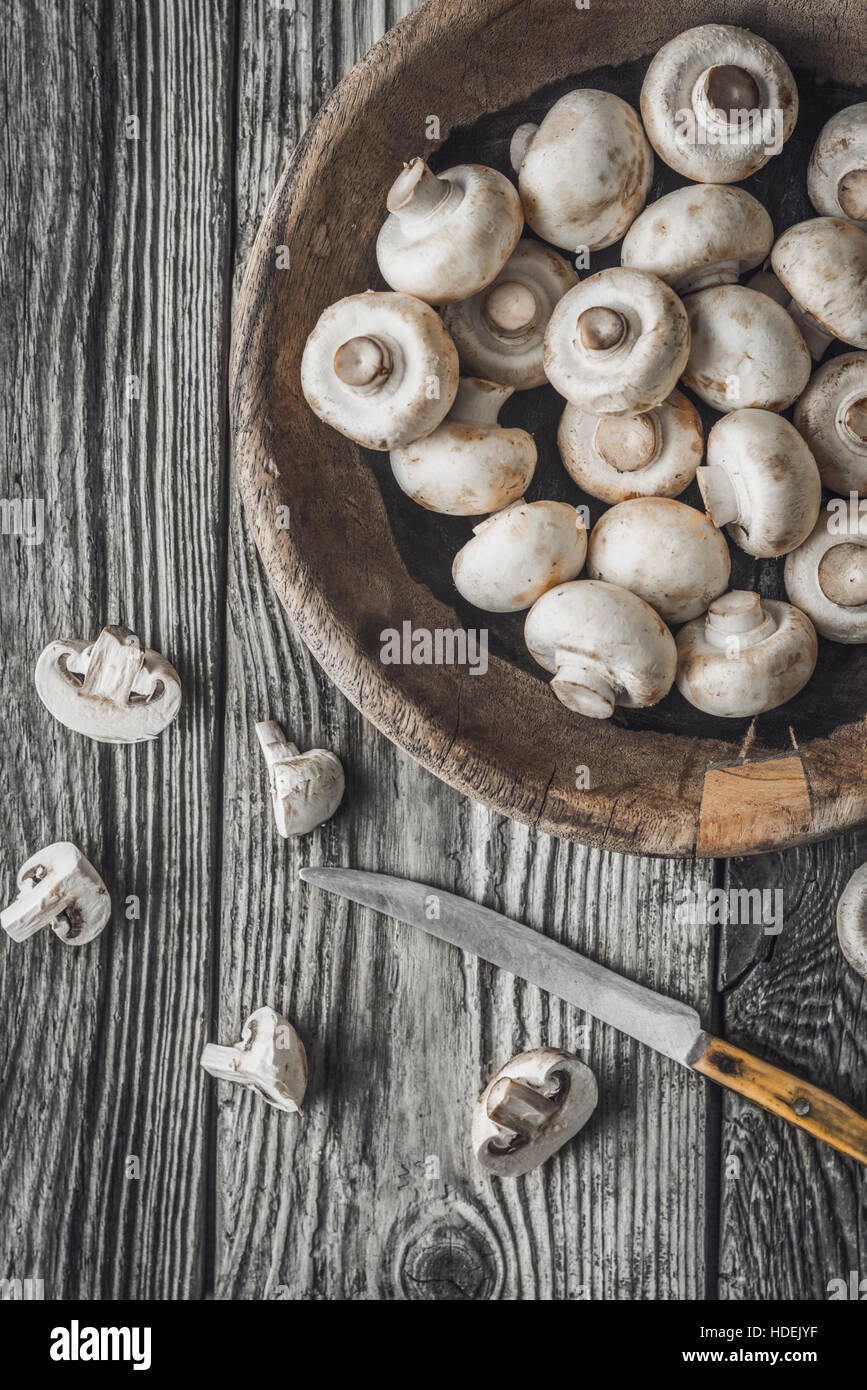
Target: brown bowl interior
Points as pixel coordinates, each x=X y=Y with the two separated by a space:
x=360 y=557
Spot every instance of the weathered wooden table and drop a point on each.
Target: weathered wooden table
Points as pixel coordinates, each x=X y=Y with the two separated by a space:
x=141 y=143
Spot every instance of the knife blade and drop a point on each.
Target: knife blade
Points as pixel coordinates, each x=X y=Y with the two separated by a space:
x=665 y=1024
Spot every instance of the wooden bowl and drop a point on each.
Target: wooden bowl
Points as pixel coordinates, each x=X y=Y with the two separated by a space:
x=359 y=557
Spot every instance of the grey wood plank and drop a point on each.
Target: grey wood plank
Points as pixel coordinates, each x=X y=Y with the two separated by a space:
x=116 y=243
x=793 y=1212
x=374 y=1194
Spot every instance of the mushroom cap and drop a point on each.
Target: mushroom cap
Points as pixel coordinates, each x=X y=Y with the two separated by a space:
x=832 y=417
x=823 y=265
x=746 y=350
x=852 y=921
x=111 y=690
x=586 y=171
x=761 y=482
x=690 y=76
x=492 y=332
x=59 y=885
x=533 y=1106
x=518 y=553
x=634 y=374
x=728 y=668
x=701 y=235
x=606 y=645
x=398 y=406
x=470 y=465
x=669 y=554
x=460 y=245
x=832 y=565
x=615 y=457
x=837 y=173
x=269 y=1059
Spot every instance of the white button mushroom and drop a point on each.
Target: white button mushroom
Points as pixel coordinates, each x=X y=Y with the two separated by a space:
x=761 y=482
x=703 y=235
x=518 y=553
x=718 y=102
x=448 y=235
x=585 y=172
x=500 y=331
x=112 y=690
x=58 y=888
x=269 y=1059
x=606 y=645
x=614 y=457
x=827 y=577
x=823 y=265
x=746 y=350
x=745 y=656
x=534 y=1105
x=837 y=173
x=832 y=417
x=852 y=921
x=306 y=788
x=469 y=465
x=380 y=368
x=617 y=343
x=669 y=554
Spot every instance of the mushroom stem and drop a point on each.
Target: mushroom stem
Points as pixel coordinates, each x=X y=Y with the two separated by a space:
x=518 y=1107
x=276 y=748
x=510 y=309
x=520 y=143
x=852 y=194
x=111 y=666
x=31 y=912
x=722 y=93
x=601 y=329
x=221 y=1062
x=852 y=422
x=416 y=192
x=738 y=615
x=843 y=575
x=718 y=494
x=362 y=362
x=479 y=402
x=627 y=442
x=583 y=686
x=815 y=336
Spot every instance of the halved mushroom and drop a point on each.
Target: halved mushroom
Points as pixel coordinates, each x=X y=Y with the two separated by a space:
x=761 y=482
x=112 y=690
x=852 y=921
x=447 y=235
x=518 y=553
x=533 y=1106
x=832 y=417
x=669 y=554
x=499 y=333
x=380 y=368
x=837 y=173
x=827 y=576
x=617 y=343
x=745 y=656
x=718 y=102
x=615 y=457
x=606 y=646
x=469 y=465
x=746 y=350
x=696 y=237
x=306 y=788
x=822 y=263
x=269 y=1059
x=58 y=888
x=585 y=172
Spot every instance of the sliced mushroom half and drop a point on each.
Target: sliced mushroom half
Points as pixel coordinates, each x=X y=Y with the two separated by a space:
x=113 y=690
x=58 y=888
x=533 y=1106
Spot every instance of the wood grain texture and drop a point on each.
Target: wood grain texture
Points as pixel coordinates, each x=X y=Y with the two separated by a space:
x=375 y=1194
x=482 y=68
x=794 y=1213
x=114 y=313
x=747 y=803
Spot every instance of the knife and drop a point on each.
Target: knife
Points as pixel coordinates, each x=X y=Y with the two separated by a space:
x=665 y=1024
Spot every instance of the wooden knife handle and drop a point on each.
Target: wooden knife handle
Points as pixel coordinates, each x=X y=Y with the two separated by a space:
x=806 y=1106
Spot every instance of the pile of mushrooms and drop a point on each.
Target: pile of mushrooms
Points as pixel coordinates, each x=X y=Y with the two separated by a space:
x=708 y=296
